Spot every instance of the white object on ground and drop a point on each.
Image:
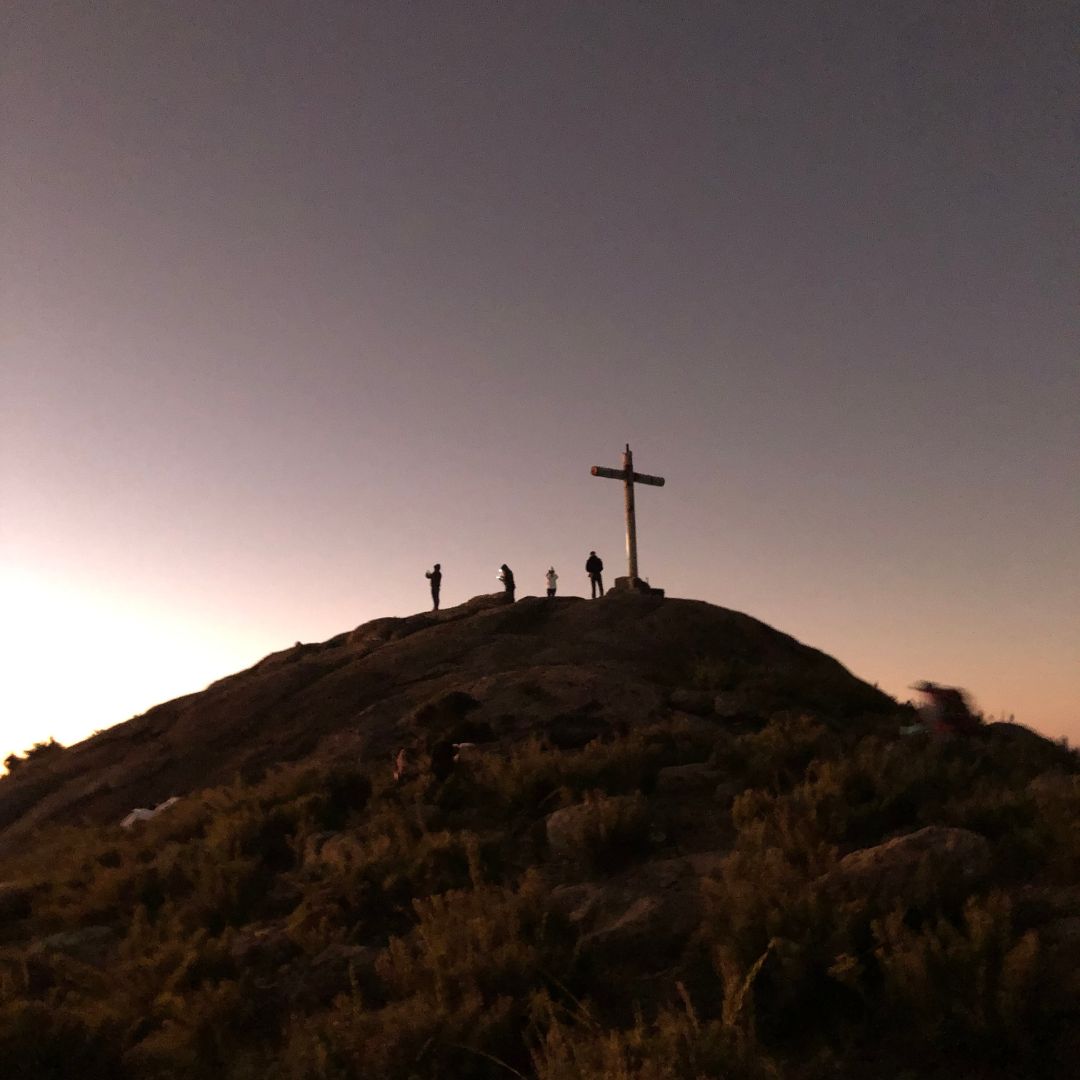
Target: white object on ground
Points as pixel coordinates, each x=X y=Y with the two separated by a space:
x=142 y=814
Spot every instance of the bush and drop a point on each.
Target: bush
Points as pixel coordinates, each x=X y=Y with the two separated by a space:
x=40 y=751
x=602 y=833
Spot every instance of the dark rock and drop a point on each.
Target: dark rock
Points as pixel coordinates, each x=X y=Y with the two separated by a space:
x=572 y=732
x=1031 y=744
x=640 y=928
x=444 y=713
x=727 y=790
x=914 y=867
x=570 y=830
x=697 y=702
x=472 y=731
x=1063 y=933
x=648 y=915
x=16 y=901
x=88 y=944
x=564 y=829
x=685 y=779
x=634 y=585
x=576 y=902
x=731 y=705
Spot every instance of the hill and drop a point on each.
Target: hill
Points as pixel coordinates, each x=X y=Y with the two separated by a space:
x=567 y=669
x=675 y=843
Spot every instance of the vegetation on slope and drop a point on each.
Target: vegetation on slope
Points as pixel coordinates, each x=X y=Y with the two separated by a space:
x=692 y=909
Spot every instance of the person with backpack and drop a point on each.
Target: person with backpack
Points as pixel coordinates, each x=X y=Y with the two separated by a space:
x=594 y=567
x=552 y=578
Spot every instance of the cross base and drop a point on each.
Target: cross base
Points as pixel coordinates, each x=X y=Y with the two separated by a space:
x=631 y=584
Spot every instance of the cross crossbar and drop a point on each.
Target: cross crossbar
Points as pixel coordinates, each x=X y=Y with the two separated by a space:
x=620 y=474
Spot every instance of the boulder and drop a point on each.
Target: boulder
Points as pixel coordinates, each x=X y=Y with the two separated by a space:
x=914 y=867
x=577 y=832
x=576 y=902
x=731 y=705
x=649 y=914
x=565 y=828
x=634 y=585
x=640 y=927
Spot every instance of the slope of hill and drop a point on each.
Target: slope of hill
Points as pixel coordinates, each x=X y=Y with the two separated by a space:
x=679 y=844
x=533 y=667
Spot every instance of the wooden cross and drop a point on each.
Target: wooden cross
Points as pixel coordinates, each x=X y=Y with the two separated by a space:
x=629 y=478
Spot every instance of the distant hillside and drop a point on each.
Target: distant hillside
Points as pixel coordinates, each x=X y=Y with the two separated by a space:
x=629 y=839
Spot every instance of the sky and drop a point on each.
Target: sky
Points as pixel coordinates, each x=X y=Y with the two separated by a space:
x=300 y=298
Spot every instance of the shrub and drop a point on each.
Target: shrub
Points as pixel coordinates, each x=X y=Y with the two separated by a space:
x=575 y=1045
x=38 y=752
x=964 y=989
x=602 y=832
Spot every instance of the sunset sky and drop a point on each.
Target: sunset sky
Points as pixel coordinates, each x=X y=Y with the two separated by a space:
x=300 y=298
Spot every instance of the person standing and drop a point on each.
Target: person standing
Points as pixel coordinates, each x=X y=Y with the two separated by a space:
x=594 y=567
x=435 y=577
x=506 y=576
x=552 y=578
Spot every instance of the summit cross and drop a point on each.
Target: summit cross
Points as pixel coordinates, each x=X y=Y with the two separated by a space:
x=629 y=478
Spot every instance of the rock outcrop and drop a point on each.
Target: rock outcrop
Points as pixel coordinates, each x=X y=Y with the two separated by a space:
x=910 y=867
x=567 y=670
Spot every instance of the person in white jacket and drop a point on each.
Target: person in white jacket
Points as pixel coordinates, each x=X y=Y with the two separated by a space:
x=552 y=577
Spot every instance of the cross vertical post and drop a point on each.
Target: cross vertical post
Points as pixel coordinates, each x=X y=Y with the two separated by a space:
x=631 y=519
x=629 y=478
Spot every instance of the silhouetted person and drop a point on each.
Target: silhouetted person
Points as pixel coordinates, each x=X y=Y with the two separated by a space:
x=506 y=576
x=552 y=578
x=946 y=711
x=435 y=577
x=594 y=567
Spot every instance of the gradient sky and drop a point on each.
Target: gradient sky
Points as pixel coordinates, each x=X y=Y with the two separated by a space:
x=299 y=298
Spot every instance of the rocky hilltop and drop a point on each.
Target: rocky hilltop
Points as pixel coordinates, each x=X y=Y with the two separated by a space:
x=632 y=839
x=567 y=669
